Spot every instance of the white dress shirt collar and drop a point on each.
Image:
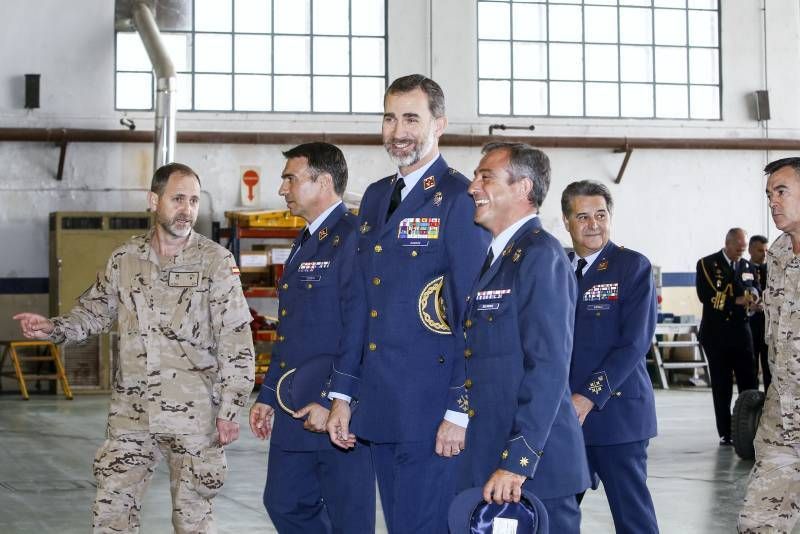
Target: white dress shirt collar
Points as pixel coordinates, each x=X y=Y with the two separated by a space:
x=316 y=223
x=589 y=260
x=502 y=239
x=412 y=178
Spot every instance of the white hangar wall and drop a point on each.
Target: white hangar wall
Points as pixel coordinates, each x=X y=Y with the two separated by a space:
x=673 y=205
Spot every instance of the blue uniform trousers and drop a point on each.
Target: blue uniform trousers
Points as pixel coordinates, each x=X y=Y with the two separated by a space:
x=623 y=471
x=311 y=492
x=416 y=486
x=563 y=514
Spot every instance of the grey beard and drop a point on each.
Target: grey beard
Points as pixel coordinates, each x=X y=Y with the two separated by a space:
x=415 y=155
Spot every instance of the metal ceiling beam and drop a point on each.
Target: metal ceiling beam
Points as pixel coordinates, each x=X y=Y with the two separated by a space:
x=73 y=135
x=62 y=136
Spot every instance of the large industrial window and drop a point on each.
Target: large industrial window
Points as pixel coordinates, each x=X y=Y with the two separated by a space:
x=267 y=55
x=599 y=58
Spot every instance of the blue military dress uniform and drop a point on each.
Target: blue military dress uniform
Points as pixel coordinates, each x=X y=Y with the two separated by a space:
x=417 y=268
x=518 y=329
x=311 y=485
x=614 y=325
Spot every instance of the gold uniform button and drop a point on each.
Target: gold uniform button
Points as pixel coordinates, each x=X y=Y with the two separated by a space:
x=490 y=318
x=378 y=249
x=373 y=313
x=414 y=253
x=282 y=365
x=376 y=281
x=467 y=353
x=468 y=323
x=471 y=413
x=373 y=347
x=285 y=286
x=468 y=383
x=309 y=286
x=281 y=338
x=283 y=312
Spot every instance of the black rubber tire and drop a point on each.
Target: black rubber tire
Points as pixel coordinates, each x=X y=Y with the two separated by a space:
x=746 y=414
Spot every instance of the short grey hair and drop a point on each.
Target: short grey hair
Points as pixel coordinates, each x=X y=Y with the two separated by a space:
x=524 y=161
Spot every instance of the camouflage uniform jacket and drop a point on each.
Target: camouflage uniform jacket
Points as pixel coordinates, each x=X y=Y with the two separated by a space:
x=186 y=351
x=782 y=310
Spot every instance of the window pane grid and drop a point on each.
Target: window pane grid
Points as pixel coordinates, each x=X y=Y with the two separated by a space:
x=349 y=75
x=680 y=44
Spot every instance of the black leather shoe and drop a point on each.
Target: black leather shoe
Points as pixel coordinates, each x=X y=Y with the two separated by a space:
x=725 y=441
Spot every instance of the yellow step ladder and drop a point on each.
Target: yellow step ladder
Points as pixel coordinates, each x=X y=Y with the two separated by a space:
x=16 y=350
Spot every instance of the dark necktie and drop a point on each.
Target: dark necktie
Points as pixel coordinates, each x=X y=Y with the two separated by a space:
x=487 y=262
x=733 y=266
x=579 y=269
x=303 y=239
x=396 y=197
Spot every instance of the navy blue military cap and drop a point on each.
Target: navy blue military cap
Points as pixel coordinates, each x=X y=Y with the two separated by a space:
x=304 y=384
x=470 y=514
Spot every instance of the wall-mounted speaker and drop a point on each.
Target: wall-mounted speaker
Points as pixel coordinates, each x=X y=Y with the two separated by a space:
x=761 y=99
x=32 y=90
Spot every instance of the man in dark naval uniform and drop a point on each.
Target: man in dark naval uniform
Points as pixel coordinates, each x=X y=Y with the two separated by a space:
x=757 y=248
x=727 y=286
x=523 y=431
x=312 y=486
x=418 y=253
x=614 y=324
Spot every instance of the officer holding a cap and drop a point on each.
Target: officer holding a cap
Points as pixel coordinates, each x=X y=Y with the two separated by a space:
x=523 y=432
x=313 y=486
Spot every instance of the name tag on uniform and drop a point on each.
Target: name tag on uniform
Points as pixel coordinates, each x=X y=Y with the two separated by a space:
x=602 y=292
x=178 y=279
x=416 y=231
x=747 y=277
x=492 y=294
x=489 y=306
x=598 y=307
x=311 y=266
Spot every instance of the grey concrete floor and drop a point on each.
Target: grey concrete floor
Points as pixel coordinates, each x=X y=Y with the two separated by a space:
x=48 y=443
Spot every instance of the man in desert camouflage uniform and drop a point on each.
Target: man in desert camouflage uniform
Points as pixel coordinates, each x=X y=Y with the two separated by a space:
x=185 y=365
x=772 y=501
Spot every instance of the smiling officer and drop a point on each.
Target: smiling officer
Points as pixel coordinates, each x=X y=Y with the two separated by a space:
x=523 y=431
x=614 y=325
x=418 y=253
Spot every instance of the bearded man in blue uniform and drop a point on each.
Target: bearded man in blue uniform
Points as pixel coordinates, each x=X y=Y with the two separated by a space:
x=523 y=431
x=614 y=324
x=418 y=253
x=313 y=486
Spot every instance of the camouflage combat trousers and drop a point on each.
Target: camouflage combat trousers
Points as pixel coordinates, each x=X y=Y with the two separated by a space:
x=773 y=492
x=125 y=463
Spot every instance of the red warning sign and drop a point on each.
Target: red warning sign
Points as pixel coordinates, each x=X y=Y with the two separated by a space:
x=249 y=182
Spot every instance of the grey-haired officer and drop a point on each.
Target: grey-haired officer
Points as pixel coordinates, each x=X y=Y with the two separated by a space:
x=523 y=432
x=185 y=364
x=313 y=486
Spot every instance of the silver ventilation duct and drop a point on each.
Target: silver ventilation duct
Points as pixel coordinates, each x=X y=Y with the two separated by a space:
x=173 y=15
